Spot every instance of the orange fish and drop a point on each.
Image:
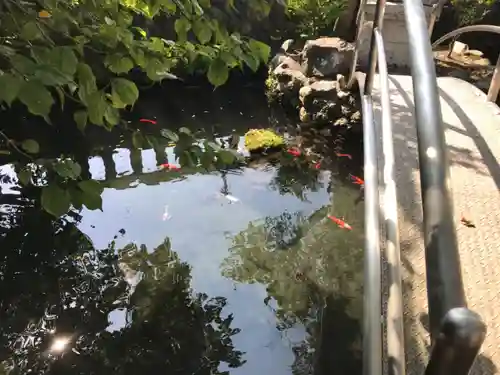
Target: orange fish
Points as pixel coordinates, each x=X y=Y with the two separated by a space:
x=341 y=223
x=147 y=120
x=169 y=166
x=294 y=152
x=357 y=180
x=344 y=155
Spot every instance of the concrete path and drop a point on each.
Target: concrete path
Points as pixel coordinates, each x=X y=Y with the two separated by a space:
x=473 y=138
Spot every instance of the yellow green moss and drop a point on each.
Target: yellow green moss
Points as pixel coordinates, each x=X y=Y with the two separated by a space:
x=257 y=139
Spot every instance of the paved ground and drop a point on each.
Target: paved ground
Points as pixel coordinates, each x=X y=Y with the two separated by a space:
x=473 y=138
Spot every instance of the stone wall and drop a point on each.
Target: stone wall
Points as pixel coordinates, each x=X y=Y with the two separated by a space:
x=394 y=33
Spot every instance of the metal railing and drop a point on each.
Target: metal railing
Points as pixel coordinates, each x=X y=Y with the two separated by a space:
x=457 y=333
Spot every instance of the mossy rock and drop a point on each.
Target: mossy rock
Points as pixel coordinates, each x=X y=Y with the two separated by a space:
x=262 y=140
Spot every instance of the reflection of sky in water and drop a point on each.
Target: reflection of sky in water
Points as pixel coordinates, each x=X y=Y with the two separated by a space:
x=200 y=228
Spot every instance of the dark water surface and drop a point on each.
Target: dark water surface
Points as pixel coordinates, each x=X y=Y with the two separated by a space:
x=174 y=276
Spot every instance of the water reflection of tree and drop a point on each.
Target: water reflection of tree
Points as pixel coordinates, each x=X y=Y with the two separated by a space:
x=313 y=274
x=54 y=286
x=296 y=177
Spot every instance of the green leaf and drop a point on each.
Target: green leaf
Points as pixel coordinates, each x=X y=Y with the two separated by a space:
x=259 y=49
x=60 y=94
x=118 y=64
x=137 y=139
x=112 y=115
x=251 y=61
x=24 y=176
x=123 y=92
x=81 y=118
x=226 y=156
x=23 y=64
x=86 y=81
x=55 y=201
x=182 y=26
x=218 y=73
x=30 y=146
x=30 y=31
x=92 y=201
x=96 y=106
x=91 y=187
x=169 y=134
x=214 y=146
x=36 y=97
x=141 y=32
x=202 y=31
x=185 y=131
x=10 y=86
x=185 y=159
x=67 y=168
x=76 y=196
x=61 y=59
x=66 y=60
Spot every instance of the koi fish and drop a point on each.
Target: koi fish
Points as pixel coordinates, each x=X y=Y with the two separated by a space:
x=357 y=180
x=317 y=165
x=294 y=152
x=147 y=120
x=170 y=167
x=344 y=155
x=341 y=223
x=467 y=223
x=43 y=14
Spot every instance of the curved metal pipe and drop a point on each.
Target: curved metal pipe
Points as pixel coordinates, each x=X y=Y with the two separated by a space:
x=444 y=279
x=467 y=29
x=395 y=327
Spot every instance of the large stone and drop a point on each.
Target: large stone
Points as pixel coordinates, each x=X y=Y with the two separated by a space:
x=289 y=80
x=327 y=57
x=288 y=63
x=318 y=90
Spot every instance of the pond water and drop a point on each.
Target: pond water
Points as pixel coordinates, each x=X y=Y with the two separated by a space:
x=235 y=272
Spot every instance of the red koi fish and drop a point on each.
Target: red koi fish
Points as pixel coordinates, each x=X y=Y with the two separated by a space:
x=317 y=165
x=149 y=121
x=294 y=152
x=169 y=167
x=341 y=223
x=357 y=180
x=344 y=155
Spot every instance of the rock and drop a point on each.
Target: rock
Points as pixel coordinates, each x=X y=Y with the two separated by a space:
x=288 y=63
x=289 y=81
x=319 y=89
x=304 y=115
x=327 y=57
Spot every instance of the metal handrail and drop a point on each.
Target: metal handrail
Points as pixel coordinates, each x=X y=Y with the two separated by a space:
x=494 y=89
x=372 y=364
x=457 y=333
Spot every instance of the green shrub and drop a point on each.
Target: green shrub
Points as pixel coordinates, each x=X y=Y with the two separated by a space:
x=470 y=11
x=315 y=17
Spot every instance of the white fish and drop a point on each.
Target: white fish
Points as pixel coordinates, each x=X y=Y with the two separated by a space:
x=231 y=198
x=166 y=215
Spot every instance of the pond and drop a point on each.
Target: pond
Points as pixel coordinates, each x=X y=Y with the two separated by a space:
x=238 y=271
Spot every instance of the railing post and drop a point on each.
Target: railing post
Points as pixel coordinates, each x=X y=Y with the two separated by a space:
x=495 y=83
x=456 y=347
